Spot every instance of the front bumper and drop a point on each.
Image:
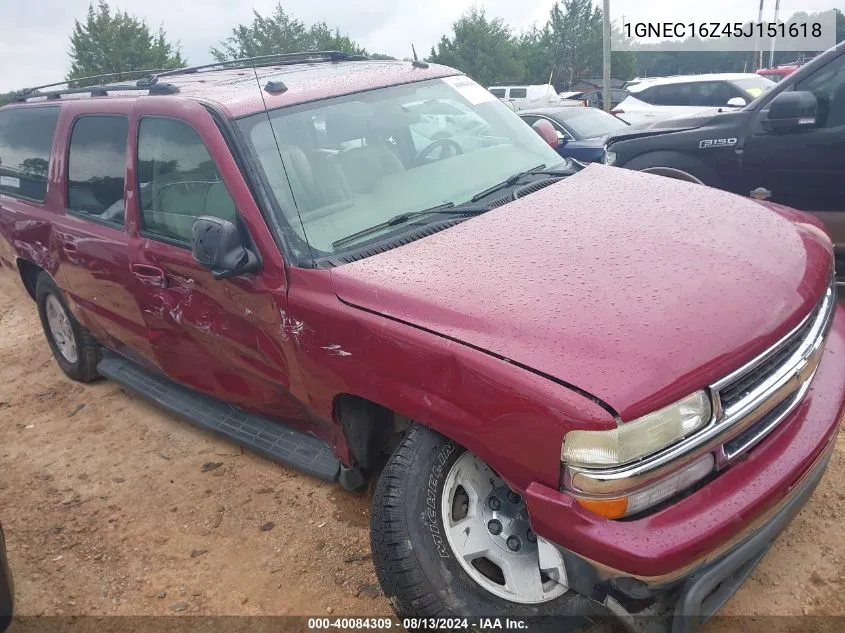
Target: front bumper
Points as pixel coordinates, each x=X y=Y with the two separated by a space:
x=706 y=590
x=719 y=531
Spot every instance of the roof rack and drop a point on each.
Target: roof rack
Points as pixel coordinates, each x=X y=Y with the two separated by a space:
x=260 y=61
x=101 y=90
x=149 y=79
x=99 y=78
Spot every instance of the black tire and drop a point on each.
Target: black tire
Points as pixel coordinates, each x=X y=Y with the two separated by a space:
x=415 y=565
x=84 y=369
x=680 y=163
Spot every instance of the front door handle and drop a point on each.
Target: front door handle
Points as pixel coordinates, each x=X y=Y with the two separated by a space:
x=69 y=247
x=147 y=275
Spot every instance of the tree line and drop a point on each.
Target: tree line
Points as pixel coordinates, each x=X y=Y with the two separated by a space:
x=563 y=51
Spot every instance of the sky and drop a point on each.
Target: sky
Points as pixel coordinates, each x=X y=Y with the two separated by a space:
x=34 y=34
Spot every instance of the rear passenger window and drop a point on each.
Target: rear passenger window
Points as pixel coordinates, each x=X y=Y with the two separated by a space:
x=26 y=139
x=177 y=180
x=712 y=93
x=498 y=92
x=96 y=167
x=518 y=93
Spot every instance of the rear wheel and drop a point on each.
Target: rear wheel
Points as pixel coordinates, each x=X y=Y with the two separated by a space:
x=450 y=539
x=75 y=350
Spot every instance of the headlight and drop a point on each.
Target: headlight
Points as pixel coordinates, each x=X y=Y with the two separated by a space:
x=637 y=439
x=608 y=158
x=644 y=498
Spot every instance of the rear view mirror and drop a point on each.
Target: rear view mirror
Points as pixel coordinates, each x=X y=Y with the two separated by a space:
x=737 y=102
x=790 y=111
x=217 y=245
x=547 y=132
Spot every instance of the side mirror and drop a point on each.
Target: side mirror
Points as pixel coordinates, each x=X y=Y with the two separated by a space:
x=790 y=111
x=217 y=245
x=561 y=137
x=737 y=102
x=547 y=132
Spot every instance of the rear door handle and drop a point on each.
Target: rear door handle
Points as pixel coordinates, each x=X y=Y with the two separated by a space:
x=147 y=275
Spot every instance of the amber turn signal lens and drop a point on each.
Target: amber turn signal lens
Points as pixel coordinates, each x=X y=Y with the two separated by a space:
x=608 y=508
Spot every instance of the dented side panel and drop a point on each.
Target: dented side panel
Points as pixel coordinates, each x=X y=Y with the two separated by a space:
x=230 y=338
x=512 y=418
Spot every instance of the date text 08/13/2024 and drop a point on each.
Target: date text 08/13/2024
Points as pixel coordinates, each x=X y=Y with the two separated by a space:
x=415 y=624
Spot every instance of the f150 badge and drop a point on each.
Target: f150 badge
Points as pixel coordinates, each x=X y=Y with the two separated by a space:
x=717 y=142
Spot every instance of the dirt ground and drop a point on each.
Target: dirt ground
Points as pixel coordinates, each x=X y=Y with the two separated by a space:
x=112 y=507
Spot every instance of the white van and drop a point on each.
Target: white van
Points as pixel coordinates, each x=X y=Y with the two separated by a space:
x=524 y=97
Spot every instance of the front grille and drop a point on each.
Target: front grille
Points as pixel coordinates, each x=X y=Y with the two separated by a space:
x=735 y=392
x=750 y=436
x=764 y=392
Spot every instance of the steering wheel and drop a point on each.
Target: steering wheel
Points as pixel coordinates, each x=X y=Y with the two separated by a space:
x=442 y=143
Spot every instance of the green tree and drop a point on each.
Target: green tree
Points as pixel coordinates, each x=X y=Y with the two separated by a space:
x=486 y=50
x=280 y=33
x=6 y=98
x=533 y=49
x=574 y=32
x=116 y=42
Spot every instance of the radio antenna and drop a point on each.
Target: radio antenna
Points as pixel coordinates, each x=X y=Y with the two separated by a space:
x=278 y=87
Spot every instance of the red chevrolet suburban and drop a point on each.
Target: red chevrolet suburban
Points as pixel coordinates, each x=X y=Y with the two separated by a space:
x=588 y=391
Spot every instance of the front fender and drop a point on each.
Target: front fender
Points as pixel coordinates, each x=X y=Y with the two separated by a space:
x=510 y=417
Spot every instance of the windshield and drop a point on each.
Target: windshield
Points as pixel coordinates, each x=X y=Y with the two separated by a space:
x=754 y=86
x=346 y=164
x=591 y=122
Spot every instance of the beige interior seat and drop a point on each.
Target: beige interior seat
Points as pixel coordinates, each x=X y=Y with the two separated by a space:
x=361 y=167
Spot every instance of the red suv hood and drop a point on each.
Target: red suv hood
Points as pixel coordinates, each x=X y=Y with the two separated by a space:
x=636 y=288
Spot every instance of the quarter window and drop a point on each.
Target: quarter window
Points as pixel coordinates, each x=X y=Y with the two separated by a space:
x=26 y=139
x=177 y=180
x=96 y=167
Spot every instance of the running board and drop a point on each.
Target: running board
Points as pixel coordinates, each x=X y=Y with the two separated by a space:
x=263 y=435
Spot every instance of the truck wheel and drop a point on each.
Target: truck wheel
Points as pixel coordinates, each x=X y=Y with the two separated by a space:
x=450 y=539
x=75 y=349
x=678 y=166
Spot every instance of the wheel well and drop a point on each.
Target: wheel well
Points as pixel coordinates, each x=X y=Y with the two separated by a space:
x=677 y=165
x=29 y=275
x=371 y=430
x=671 y=172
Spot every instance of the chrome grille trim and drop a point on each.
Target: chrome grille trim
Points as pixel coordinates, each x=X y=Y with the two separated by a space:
x=790 y=380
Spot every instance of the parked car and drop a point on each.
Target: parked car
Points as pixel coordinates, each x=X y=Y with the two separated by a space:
x=581 y=132
x=653 y=100
x=595 y=98
x=7 y=587
x=522 y=97
x=787 y=146
x=776 y=73
x=596 y=391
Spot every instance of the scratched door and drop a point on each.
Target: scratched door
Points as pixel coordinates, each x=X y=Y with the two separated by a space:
x=221 y=337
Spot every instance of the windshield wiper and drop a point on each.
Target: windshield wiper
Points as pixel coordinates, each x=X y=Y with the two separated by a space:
x=402 y=218
x=510 y=182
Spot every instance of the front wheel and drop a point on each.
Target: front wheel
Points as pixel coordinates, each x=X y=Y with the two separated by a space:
x=450 y=539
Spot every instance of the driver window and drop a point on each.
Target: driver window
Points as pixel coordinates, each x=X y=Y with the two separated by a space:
x=177 y=181
x=828 y=86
